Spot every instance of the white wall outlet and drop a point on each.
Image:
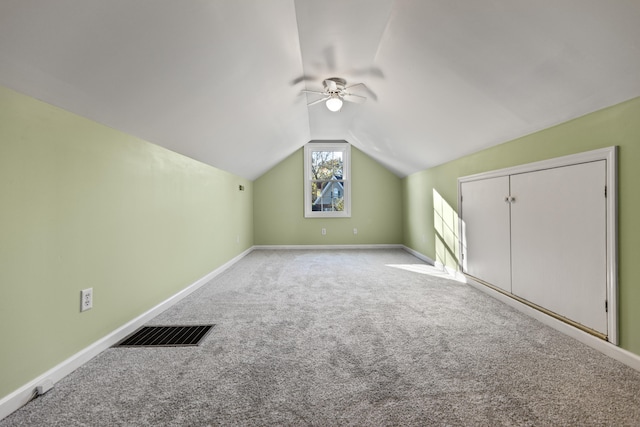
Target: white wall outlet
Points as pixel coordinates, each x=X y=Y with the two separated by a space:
x=324 y=231
x=355 y=231
x=86 y=299
x=237 y=239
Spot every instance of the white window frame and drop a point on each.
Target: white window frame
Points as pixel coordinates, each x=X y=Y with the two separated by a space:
x=345 y=148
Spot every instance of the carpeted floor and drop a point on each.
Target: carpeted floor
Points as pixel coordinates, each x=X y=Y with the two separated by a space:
x=345 y=338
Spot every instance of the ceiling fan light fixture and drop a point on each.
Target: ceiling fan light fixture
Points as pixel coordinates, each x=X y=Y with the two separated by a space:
x=334 y=103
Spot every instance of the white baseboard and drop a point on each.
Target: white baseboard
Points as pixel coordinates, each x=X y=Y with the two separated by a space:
x=24 y=394
x=455 y=274
x=21 y=396
x=624 y=356
x=327 y=247
x=419 y=255
x=628 y=358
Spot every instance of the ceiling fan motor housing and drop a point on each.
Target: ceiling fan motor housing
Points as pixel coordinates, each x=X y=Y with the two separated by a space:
x=335 y=91
x=334 y=84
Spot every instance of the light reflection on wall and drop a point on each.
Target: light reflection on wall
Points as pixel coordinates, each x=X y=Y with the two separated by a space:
x=445 y=224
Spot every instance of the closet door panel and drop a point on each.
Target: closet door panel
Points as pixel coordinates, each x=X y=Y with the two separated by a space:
x=485 y=224
x=558 y=241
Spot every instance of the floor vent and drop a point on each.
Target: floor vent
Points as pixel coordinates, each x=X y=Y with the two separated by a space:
x=166 y=336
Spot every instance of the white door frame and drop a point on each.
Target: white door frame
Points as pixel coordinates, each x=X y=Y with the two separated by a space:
x=609 y=154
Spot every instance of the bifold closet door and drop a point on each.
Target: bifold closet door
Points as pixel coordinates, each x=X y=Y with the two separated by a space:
x=558 y=241
x=485 y=227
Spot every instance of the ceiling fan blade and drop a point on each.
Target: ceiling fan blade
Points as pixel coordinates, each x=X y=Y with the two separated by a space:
x=356 y=85
x=314 y=91
x=371 y=71
x=364 y=86
x=302 y=78
x=318 y=101
x=354 y=98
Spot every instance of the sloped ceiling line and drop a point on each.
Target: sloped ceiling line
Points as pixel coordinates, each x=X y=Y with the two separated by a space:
x=217 y=79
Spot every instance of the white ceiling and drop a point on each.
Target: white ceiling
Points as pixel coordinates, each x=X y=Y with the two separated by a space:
x=220 y=80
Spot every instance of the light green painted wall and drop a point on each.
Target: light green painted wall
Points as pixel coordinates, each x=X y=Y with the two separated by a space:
x=618 y=125
x=376 y=206
x=84 y=206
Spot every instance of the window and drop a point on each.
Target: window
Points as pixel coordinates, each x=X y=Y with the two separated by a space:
x=327 y=191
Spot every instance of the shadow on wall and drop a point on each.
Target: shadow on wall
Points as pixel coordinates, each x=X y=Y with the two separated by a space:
x=447 y=236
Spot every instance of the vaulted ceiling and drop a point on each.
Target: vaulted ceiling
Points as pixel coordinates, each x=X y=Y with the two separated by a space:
x=220 y=80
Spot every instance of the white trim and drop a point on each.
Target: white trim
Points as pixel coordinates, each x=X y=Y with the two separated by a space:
x=609 y=154
x=419 y=255
x=23 y=395
x=612 y=244
x=557 y=162
x=327 y=247
x=345 y=148
x=609 y=349
x=455 y=274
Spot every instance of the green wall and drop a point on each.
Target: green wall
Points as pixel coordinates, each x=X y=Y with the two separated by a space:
x=618 y=125
x=85 y=206
x=376 y=206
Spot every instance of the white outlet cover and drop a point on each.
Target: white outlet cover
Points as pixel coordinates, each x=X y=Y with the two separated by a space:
x=86 y=299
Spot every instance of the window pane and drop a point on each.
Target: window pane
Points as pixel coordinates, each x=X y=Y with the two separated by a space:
x=327 y=196
x=326 y=165
x=326 y=171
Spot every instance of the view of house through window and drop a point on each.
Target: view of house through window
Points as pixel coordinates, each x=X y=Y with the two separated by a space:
x=327 y=185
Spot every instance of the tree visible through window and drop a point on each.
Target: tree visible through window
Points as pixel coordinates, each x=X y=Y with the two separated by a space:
x=327 y=183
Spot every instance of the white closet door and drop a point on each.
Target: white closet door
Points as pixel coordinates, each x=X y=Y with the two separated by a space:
x=558 y=238
x=485 y=225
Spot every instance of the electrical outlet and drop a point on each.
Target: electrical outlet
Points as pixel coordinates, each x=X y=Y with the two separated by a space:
x=86 y=299
x=324 y=231
x=355 y=231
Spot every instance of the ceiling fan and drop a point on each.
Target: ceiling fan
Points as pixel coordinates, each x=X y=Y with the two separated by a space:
x=335 y=92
